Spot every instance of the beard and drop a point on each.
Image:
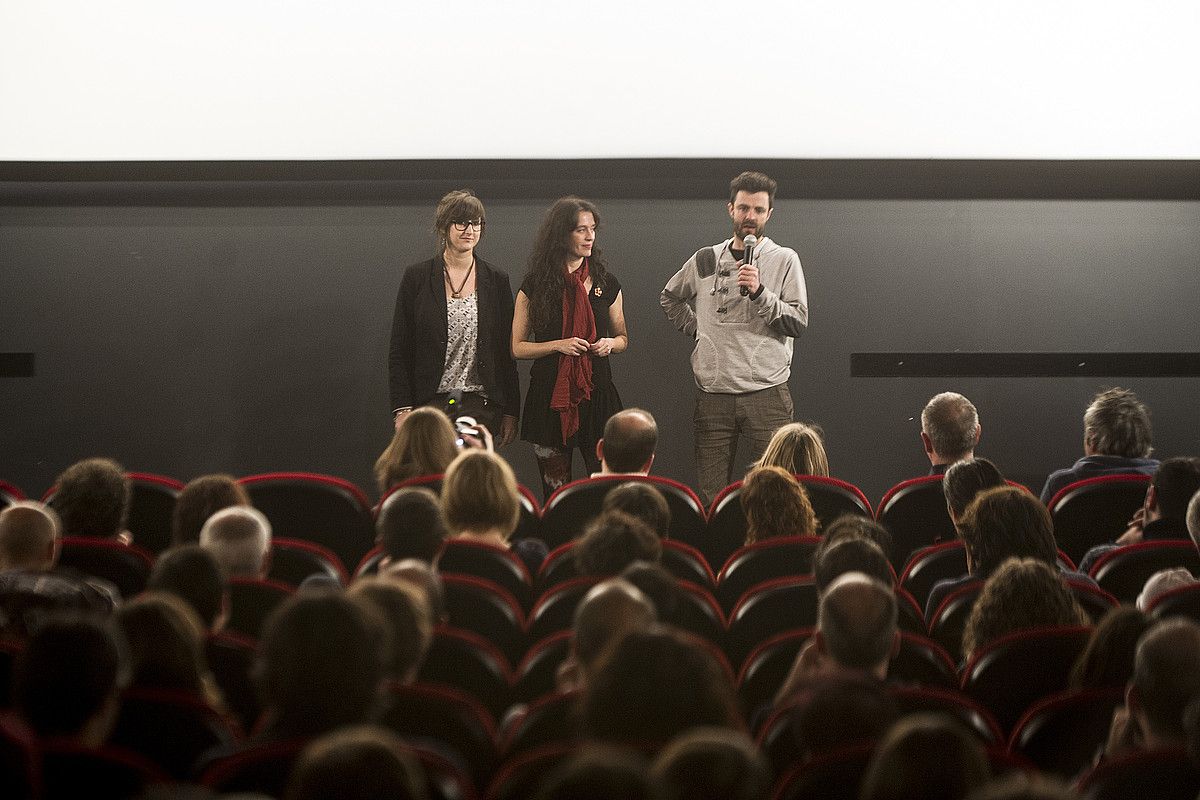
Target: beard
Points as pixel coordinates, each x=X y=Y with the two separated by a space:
x=747 y=228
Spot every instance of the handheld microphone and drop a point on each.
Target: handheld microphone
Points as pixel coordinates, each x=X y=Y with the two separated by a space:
x=750 y=242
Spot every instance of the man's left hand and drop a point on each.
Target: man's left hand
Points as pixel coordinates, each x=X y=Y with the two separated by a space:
x=748 y=277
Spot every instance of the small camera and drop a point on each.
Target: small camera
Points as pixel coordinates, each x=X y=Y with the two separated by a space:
x=465 y=426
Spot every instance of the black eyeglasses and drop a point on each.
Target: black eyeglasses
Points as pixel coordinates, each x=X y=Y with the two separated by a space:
x=473 y=224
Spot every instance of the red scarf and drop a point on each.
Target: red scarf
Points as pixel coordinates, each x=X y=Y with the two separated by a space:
x=574 y=382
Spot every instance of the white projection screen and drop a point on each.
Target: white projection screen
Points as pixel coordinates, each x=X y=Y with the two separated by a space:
x=164 y=80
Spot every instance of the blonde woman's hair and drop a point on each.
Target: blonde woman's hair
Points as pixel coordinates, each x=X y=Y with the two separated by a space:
x=479 y=493
x=423 y=445
x=799 y=448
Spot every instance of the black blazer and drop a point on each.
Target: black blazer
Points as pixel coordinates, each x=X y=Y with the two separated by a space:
x=418 y=352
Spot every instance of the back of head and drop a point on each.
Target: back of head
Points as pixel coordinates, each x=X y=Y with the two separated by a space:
x=857 y=618
x=479 y=493
x=407 y=613
x=92 y=498
x=199 y=500
x=411 y=525
x=320 y=662
x=661 y=588
x=655 y=685
x=424 y=444
x=71 y=667
x=1021 y=594
x=713 y=764
x=239 y=538
x=1118 y=424
x=598 y=772
x=613 y=541
x=164 y=637
x=1175 y=483
x=1006 y=522
x=851 y=554
x=612 y=609
x=28 y=535
x=1108 y=658
x=1166 y=676
x=928 y=756
x=424 y=577
x=360 y=762
x=965 y=479
x=644 y=501
x=854 y=526
x=191 y=573
x=630 y=437
x=842 y=708
x=1024 y=786
x=798 y=448
x=775 y=504
x=952 y=425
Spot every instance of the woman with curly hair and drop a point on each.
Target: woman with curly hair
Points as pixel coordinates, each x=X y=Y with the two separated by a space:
x=1022 y=593
x=569 y=318
x=775 y=504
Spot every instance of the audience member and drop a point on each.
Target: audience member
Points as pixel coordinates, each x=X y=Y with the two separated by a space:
x=950 y=430
x=644 y=501
x=361 y=762
x=30 y=584
x=423 y=444
x=627 y=447
x=1022 y=593
x=608 y=612
x=600 y=772
x=854 y=526
x=1162 y=582
x=239 y=538
x=655 y=685
x=712 y=764
x=926 y=756
x=850 y=554
x=613 y=541
x=405 y=609
x=1108 y=658
x=840 y=709
x=1024 y=786
x=1117 y=439
x=410 y=525
x=1193 y=520
x=775 y=504
x=480 y=501
x=964 y=480
x=798 y=448
x=192 y=573
x=660 y=586
x=199 y=500
x=92 y=499
x=424 y=577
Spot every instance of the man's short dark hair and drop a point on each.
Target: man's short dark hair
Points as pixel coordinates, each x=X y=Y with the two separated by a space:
x=191 y=573
x=752 y=183
x=598 y=772
x=644 y=501
x=1175 y=483
x=1166 y=674
x=1117 y=423
x=630 y=437
x=857 y=617
x=361 y=762
x=199 y=500
x=851 y=554
x=613 y=541
x=854 y=526
x=411 y=525
x=1006 y=522
x=965 y=479
x=92 y=498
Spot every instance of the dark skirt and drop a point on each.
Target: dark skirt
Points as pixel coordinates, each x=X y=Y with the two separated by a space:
x=542 y=425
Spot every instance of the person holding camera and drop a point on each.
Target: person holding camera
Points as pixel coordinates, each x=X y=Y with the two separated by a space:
x=569 y=319
x=450 y=331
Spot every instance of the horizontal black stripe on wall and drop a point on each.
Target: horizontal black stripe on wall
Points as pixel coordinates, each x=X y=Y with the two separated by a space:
x=1025 y=365
x=423 y=181
x=16 y=365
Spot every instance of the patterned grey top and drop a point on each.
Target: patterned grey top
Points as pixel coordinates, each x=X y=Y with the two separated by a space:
x=462 y=340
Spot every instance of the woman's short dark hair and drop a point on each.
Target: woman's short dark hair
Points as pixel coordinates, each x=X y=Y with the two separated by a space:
x=1006 y=522
x=613 y=541
x=460 y=205
x=199 y=500
x=1021 y=594
x=1108 y=658
x=963 y=480
x=642 y=500
x=411 y=525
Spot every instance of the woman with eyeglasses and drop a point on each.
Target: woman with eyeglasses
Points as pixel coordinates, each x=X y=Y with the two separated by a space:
x=569 y=319
x=450 y=332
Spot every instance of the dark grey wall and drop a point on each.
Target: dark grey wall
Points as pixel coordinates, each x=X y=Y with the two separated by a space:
x=244 y=338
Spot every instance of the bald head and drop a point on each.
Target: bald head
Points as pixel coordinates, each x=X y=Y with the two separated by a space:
x=1166 y=677
x=29 y=534
x=857 y=622
x=949 y=428
x=239 y=538
x=630 y=437
x=612 y=609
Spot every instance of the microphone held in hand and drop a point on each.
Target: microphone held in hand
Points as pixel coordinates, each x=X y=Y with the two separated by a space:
x=749 y=242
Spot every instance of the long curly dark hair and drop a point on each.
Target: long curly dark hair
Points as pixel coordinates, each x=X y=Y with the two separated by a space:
x=551 y=251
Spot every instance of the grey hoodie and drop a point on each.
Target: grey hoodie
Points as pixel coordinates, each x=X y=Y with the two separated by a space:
x=749 y=346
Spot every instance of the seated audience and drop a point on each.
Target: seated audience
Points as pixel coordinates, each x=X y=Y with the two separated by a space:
x=92 y=499
x=927 y=756
x=361 y=762
x=1024 y=786
x=405 y=609
x=611 y=610
x=1162 y=582
x=480 y=501
x=854 y=526
x=712 y=764
x=964 y=480
x=798 y=448
x=660 y=586
x=1022 y=593
x=192 y=573
x=1108 y=658
x=410 y=525
x=613 y=541
x=627 y=447
x=426 y=579
x=840 y=709
x=775 y=504
x=644 y=501
x=199 y=500
x=1193 y=519
x=950 y=430
x=239 y=538
x=850 y=554
x=423 y=444
x=30 y=583
x=599 y=772
x=655 y=685
x=1117 y=439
